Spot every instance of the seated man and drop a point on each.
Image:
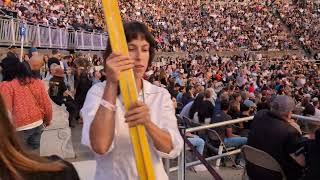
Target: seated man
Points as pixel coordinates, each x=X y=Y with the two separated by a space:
x=60 y=94
x=248 y=110
x=274 y=132
x=226 y=133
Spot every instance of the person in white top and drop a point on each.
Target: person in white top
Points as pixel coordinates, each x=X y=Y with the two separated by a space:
x=316 y=106
x=106 y=124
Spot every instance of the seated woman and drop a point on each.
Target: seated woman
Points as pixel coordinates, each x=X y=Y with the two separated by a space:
x=202 y=108
x=16 y=163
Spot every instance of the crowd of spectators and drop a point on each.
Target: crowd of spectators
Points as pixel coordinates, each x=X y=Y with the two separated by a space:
x=177 y=25
x=214 y=89
x=71 y=14
x=188 y=26
x=303 y=21
x=206 y=26
x=261 y=78
x=210 y=89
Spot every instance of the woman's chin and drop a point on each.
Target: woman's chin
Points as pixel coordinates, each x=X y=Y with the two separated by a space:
x=138 y=75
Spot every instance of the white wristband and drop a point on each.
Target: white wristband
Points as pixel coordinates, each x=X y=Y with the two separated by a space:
x=108 y=105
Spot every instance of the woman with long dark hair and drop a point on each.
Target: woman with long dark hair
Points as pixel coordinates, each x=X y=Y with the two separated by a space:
x=188 y=95
x=202 y=108
x=27 y=101
x=17 y=164
x=106 y=124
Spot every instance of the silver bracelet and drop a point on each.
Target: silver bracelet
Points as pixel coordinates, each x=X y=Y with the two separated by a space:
x=108 y=105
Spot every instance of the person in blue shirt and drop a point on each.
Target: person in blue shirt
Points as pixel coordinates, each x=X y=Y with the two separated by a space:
x=178 y=80
x=182 y=90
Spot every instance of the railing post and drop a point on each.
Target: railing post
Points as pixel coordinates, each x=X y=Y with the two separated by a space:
x=76 y=40
x=101 y=42
x=65 y=38
x=13 y=32
x=82 y=40
x=92 y=46
x=167 y=166
x=38 y=35
x=218 y=162
x=181 y=159
x=60 y=34
x=27 y=35
x=50 y=38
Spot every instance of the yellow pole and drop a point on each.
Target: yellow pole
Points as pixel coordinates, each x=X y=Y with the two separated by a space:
x=128 y=89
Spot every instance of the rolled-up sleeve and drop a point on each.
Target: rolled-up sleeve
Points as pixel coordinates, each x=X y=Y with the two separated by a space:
x=88 y=113
x=168 y=122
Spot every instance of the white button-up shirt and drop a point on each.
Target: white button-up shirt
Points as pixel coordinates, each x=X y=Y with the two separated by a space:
x=119 y=162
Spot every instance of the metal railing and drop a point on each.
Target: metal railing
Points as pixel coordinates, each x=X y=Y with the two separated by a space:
x=182 y=165
x=49 y=37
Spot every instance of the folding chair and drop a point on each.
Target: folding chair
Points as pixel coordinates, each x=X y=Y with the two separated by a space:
x=190 y=123
x=215 y=143
x=261 y=159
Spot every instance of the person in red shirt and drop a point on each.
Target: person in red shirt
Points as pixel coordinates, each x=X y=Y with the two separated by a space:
x=28 y=103
x=251 y=88
x=218 y=76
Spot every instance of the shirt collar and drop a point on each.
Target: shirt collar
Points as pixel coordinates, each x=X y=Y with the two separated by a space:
x=149 y=88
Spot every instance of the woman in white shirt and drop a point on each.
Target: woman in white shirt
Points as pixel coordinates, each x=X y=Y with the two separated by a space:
x=106 y=124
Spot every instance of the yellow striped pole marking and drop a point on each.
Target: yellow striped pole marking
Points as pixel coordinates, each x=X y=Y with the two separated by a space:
x=128 y=89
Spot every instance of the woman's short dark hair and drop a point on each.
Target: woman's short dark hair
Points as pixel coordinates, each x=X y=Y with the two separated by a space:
x=134 y=30
x=13 y=68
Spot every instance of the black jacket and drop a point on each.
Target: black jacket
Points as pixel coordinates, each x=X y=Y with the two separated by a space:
x=56 y=89
x=279 y=139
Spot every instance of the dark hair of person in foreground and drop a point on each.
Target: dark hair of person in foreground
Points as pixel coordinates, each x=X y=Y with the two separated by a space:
x=18 y=164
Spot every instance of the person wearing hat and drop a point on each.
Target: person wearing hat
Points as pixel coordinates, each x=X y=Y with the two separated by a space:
x=60 y=94
x=33 y=52
x=274 y=132
x=248 y=110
